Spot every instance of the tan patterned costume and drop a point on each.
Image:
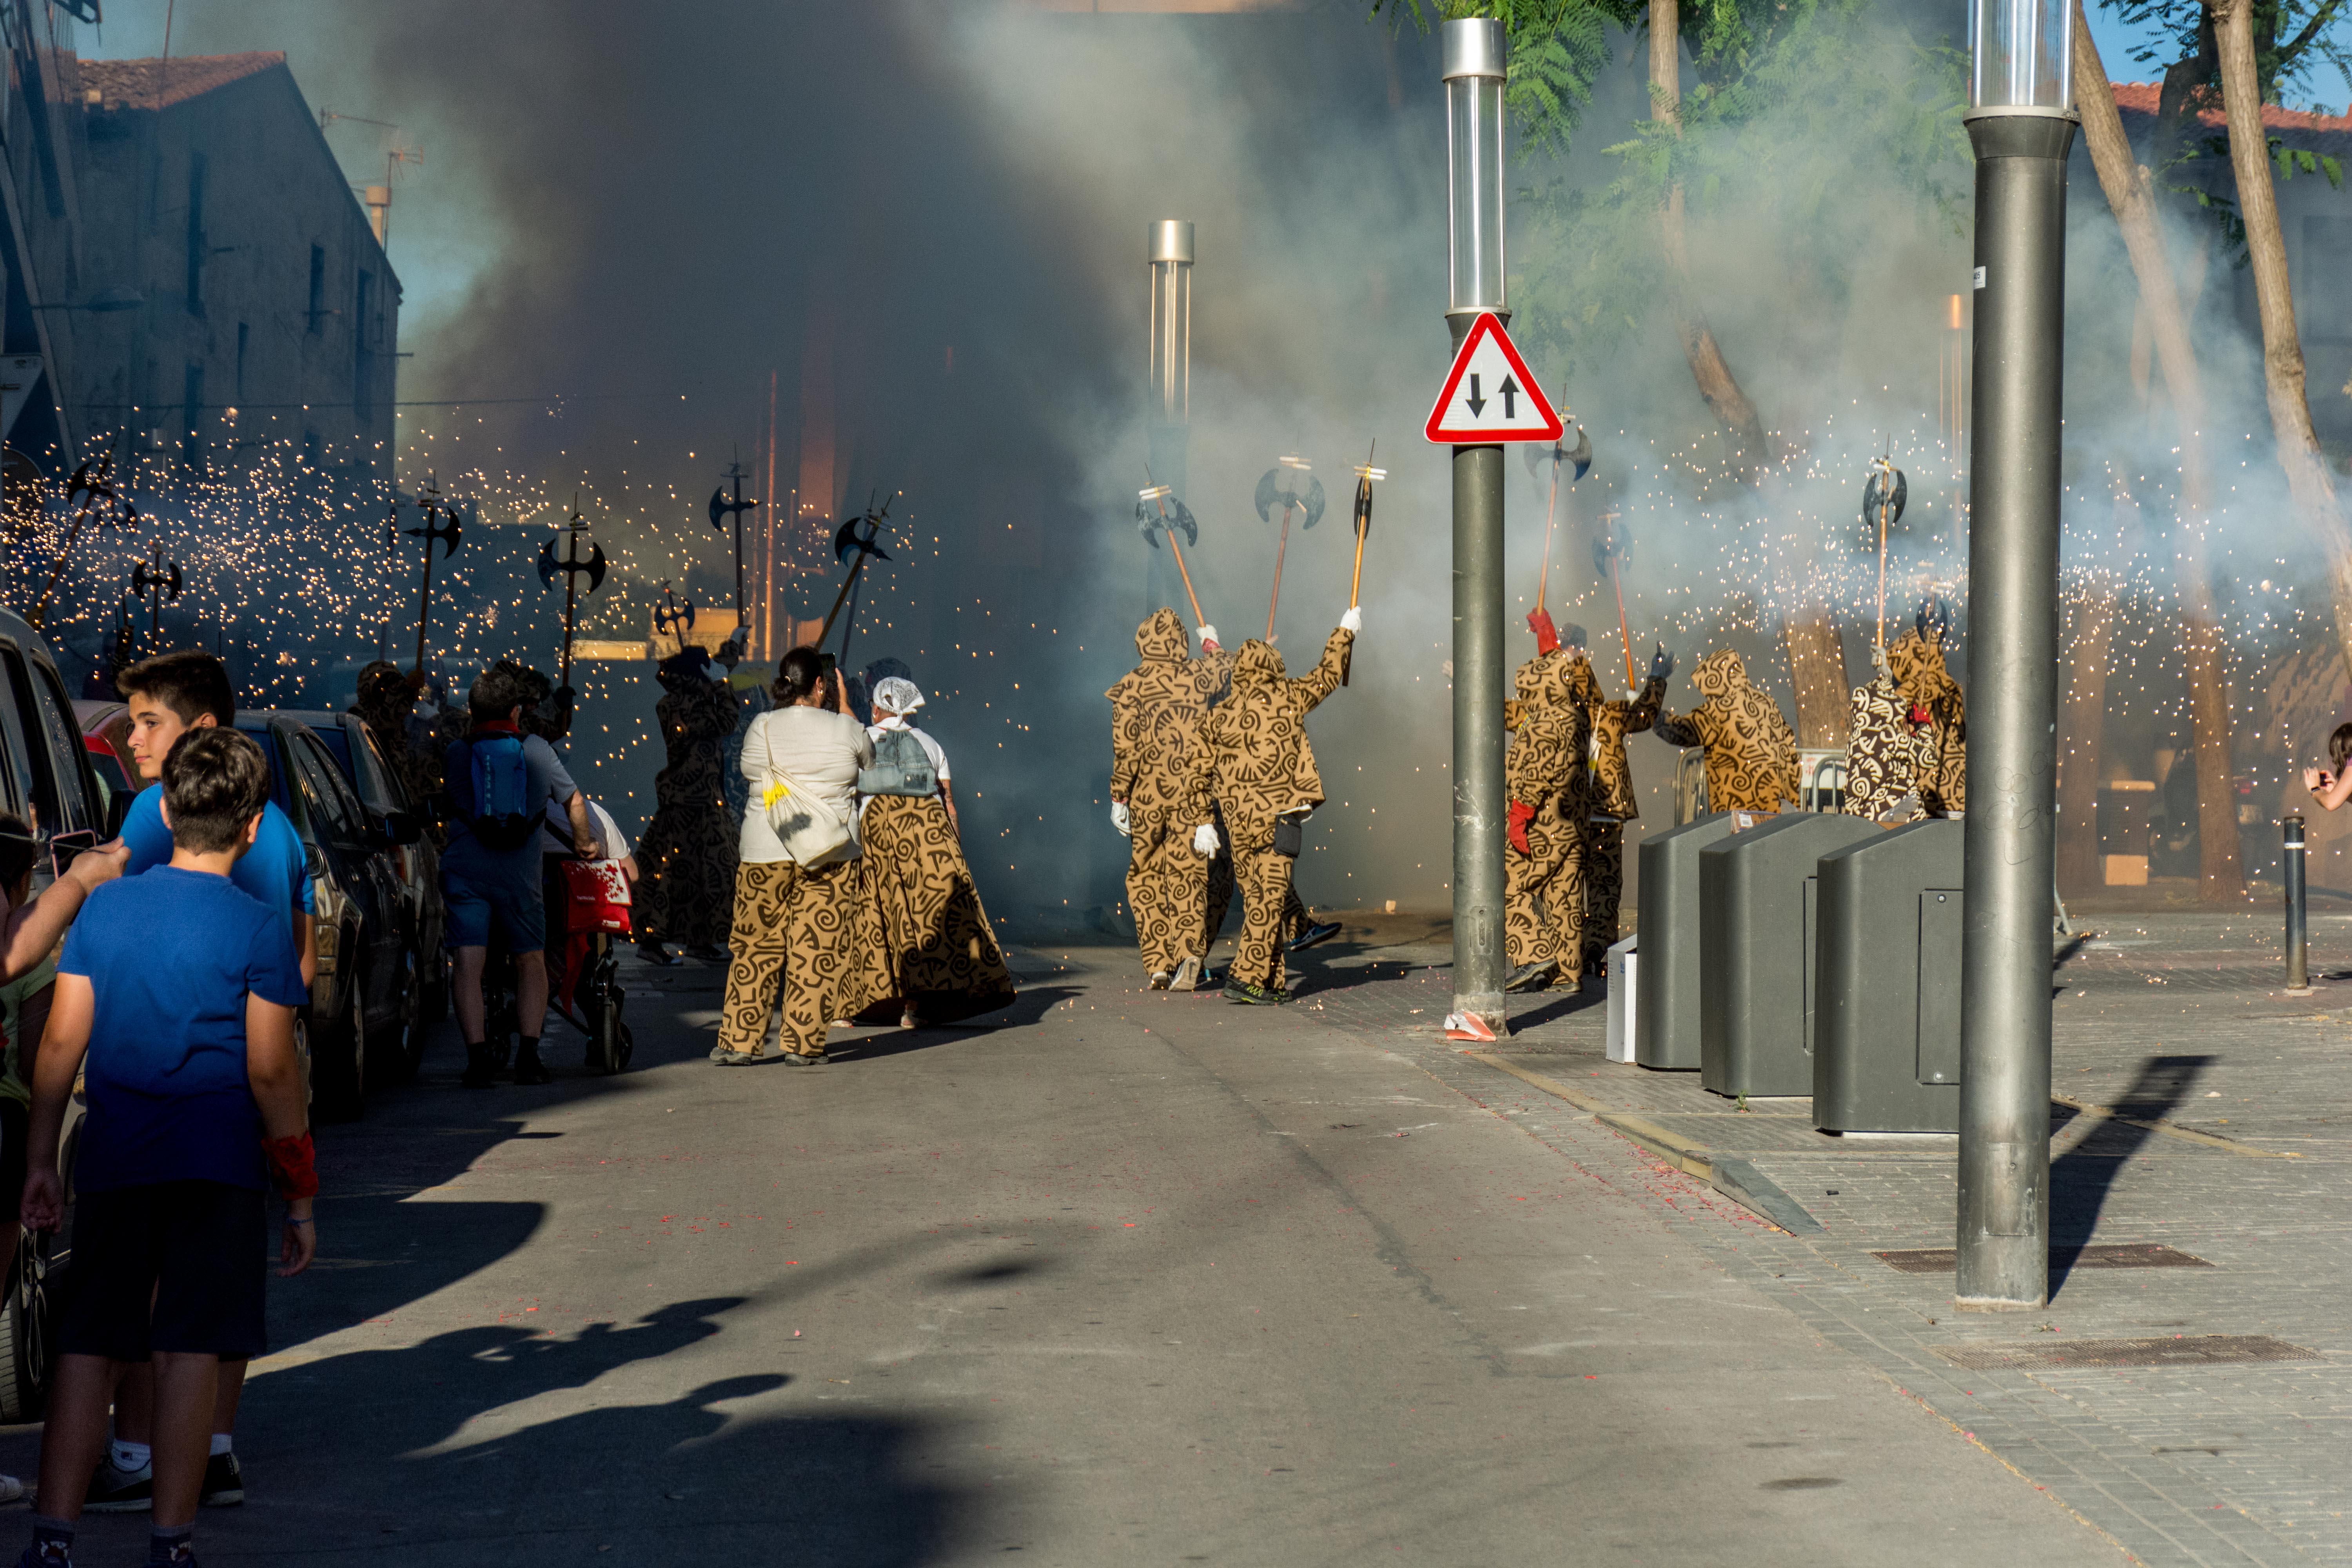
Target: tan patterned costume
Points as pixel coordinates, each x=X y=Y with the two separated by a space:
x=1751 y=753
x=1156 y=710
x=1919 y=665
x=1254 y=762
x=1887 y=757
x=925 y=932
x=386 y=698
x=1611 y=806
x=1543 y=774
x=687 y=858
x=810 y=912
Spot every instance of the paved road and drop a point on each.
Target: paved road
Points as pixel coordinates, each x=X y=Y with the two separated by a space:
x=1142 y=1278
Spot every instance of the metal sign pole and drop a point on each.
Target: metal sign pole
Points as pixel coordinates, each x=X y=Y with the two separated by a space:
x=2020 y=121
x=1475 y=59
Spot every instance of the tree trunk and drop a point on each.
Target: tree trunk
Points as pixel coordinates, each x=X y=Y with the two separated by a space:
x=1817 y=670
x=2081 y=731
x=2220 y=870
x=1716 y=382
x=2309 y=484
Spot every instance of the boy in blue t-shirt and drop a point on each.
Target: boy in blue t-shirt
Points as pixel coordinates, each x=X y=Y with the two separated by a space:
x=180 y=989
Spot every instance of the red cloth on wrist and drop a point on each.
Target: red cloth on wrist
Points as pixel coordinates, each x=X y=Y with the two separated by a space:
x=1547 y=634
x=1520 y=815
x=293 y=1165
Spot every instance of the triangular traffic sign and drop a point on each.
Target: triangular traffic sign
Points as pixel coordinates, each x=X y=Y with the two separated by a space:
x=1489 y=396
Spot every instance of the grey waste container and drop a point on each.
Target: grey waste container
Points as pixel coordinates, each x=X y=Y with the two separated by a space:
x=1665 y=991
x=1886 y=1033
x=1756 y=951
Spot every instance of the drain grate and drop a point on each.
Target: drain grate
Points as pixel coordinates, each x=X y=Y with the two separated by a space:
x=2200 y=1350
x=2121 y=1255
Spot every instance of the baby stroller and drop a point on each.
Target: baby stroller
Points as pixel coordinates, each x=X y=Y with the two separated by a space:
x=587 y=904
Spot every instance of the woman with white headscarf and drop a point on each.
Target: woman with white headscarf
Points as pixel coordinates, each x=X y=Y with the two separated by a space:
x=927 y=938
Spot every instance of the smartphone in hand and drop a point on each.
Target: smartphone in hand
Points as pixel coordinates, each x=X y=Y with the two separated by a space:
x=64 y=846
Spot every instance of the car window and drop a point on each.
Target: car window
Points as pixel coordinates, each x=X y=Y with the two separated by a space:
x=267 y=740
x=388 y=786
x=32 y=791
x=323 y=790
x=77 y=809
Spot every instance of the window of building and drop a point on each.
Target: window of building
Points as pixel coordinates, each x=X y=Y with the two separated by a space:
x=318 y=307
x=363 y=352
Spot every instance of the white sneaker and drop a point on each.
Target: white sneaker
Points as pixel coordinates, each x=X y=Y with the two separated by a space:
x=1187 y=975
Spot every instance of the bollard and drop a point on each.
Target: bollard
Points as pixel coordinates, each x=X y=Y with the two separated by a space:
x=2299 y=933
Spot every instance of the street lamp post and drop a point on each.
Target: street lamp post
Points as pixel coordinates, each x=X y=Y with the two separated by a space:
x=1170 y=253
x=1475 y=59
x=2021 y=122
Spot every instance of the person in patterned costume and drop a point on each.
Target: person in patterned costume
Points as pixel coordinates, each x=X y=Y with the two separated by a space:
x=1156 y=710
x=687 y=854
x=387 y=696
x=1253 y=763
x=1917 y=663
x=1890 y=752
x=1610 y=804
x=1751 y=753
x=928 y=943
x=1550 y=720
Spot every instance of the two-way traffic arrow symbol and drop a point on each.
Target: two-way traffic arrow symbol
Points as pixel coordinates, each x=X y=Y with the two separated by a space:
x=1466 y=413
x=1477 y=404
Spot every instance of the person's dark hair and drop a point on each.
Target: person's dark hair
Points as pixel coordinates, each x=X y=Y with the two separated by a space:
x=2339 y=745
x=15 y=850
x=215 y=781
x=190 y=682
x=796 y=676
x=496 y=693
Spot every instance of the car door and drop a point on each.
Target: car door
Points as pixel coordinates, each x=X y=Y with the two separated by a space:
x=345 y=827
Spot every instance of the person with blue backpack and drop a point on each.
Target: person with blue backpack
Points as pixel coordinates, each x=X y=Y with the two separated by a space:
x=501 y=781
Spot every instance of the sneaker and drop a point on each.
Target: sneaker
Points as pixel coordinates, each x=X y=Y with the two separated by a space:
x=706 y=953
x=728 y=1058
x=1532 y=976
x=11 y=1490
x=1187 y=976
x=223 y=1481
x=1254 y=995
x=719 y=1052
x=1159 y=979
x=1321 y=931
x=908 y=1019
x=811 y=1059
x=120 y=1491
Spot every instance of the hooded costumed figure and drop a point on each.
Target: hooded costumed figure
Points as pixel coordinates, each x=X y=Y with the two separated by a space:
x=685 y=893
x=928 y=939
x=386 y=698
x=1610 y=804
x=1543 y=776
x=1751 y=753
x=1890 y=753
x=1916 y=662
x=1156 y=711
x=1253 y=762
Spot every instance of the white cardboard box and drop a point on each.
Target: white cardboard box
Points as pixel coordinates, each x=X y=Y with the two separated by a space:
x=1623 y=961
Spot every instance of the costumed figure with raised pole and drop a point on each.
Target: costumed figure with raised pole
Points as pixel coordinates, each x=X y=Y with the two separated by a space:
x=1916 y=660
x=1550 y=722
x=1156 y=711
x=929 y=942
x=1611 y=803
x=686 y=855
x=1252 y=761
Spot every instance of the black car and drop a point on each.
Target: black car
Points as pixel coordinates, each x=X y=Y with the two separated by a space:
x=396 y=819
x=367 y=1002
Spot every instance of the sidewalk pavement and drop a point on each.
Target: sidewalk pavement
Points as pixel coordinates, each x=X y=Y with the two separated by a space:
x=2196 y=1108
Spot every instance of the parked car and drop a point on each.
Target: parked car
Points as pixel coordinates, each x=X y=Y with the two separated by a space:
x=367 y=1001
x=399 y=822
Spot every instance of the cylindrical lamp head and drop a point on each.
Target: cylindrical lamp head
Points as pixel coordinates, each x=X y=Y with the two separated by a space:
x=2023 y=56
x=1477 y=59
x=1171 y=240
x=1171 y=246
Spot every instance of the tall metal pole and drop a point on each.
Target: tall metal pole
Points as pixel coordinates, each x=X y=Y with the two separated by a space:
x=2298 y=938
x=1476 y=55
x=2021 y=122
x=1169 y=249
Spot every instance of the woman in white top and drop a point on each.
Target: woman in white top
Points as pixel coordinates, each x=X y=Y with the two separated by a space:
x=796 y=881
x=927 y=938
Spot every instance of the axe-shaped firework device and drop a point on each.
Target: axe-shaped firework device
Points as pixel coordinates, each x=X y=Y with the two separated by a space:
x=157 y=581
x=1366 y=477
x=442 y=523
x=1609 y=546
x=91 y=489
x=674 y=616
x=1153 y=518
x=1272 y=488
x=859 y=535
x=573 y=568
x=1579 y=458
x=1883 y=495
x=721 y=509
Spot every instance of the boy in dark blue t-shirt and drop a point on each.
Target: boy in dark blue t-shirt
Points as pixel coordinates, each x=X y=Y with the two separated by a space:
x=180 y=989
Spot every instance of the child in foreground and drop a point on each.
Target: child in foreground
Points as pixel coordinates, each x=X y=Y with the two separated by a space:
x=180 y=991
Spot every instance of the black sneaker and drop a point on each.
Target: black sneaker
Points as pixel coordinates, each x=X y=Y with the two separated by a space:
x=1532 y=976
x=224 y=1482
x=120 y=1491
x=1321 y=931
x=1253 y=996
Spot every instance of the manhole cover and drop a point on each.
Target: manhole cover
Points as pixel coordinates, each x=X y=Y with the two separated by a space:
x=2199 y=1349
x=2120 y=1255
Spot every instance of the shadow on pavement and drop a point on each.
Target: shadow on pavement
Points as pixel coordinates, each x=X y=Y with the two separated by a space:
x=2080 y=1178
x=1029 y=1007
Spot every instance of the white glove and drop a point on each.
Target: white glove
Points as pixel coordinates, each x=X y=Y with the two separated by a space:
x=1208 y=637
x=1204 y=838
x=1119 y=818
x=1353 y=621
